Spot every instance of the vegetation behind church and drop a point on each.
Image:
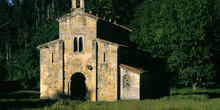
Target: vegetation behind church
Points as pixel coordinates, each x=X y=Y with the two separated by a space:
x=184 y=31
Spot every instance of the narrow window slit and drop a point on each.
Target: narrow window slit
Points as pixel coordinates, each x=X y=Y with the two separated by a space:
x=80 y=44
x=103 y=57
x=52 y=58
x=75 y=45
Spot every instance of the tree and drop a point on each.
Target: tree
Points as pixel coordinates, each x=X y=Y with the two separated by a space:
x=26 y=67
x=4 y=36
x=18 y=54
x=25 y=24
x=119 y=10
x=179 y=30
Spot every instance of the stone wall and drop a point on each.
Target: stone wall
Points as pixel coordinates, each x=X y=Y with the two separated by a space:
x=79 y=25
x=130 y=84
x=107 y=71
x=51 y=70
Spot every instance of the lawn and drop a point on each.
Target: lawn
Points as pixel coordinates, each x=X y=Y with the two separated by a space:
x=179 y=102
x=180 y=99
x=23 y=100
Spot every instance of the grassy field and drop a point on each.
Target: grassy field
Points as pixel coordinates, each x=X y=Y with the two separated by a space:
x=179 y=102
x=180 y=99
x=23 y=100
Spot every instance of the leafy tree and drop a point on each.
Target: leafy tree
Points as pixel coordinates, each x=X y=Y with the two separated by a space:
x=25 y=24
x=26 y=61
x=182 y=31
x=4 y=36
x=119 y=10
x=20 y=36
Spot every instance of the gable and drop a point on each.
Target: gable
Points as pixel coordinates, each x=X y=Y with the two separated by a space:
x=132 y=69
x=49 y=44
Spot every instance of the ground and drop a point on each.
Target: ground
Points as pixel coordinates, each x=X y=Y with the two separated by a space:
x=180 y=99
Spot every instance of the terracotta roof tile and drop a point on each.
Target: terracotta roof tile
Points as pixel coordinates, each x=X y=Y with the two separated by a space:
x=112 y=23
x=139 y=70
x=69 y=15
x=42 y=46
x=111 y=43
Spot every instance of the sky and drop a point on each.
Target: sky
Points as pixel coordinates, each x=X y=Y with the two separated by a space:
x=11 y=1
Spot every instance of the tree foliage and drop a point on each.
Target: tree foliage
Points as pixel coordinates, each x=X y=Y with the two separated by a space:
x=25 y=24
x=186 y=32
x=118 y=10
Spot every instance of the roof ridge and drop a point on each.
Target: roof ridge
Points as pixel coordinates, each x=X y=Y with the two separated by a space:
x=139 y=70
x=109 y=22
x=69 y=15
x=99 y=39
x=45 y=45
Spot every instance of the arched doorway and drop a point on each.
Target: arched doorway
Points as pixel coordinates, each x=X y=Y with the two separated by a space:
x=78 y=86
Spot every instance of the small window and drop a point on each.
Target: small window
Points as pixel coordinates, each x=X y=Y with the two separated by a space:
x=103 y=57
x=75 y=45
x=52 y=58
x=126 y=81
x=77 y=3
x=80 y=44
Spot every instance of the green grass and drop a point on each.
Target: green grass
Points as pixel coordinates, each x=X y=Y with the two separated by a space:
x=23 y=100
x=20 y=95
x=180 y=99
x=188 y=90
x=179 y=102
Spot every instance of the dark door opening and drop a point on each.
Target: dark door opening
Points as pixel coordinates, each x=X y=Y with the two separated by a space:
x=78 y=86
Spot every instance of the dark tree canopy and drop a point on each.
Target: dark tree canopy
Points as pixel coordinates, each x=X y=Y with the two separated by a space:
x=186 y=32
x=25 y=24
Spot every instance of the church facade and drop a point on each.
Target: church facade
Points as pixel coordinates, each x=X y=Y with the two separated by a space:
x=94 y=59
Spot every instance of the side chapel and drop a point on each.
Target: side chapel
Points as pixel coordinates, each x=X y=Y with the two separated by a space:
x=94 y=59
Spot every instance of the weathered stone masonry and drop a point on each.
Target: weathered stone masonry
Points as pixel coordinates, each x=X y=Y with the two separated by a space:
x=95 y=59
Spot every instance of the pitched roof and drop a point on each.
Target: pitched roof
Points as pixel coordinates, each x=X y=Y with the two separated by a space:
x=109 y=42
x=48 y=44
x=112 y=23
x=92 y=16
x=138 y=70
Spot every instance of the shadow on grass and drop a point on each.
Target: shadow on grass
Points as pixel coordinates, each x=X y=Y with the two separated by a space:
x=210 y=95
x=20 y=104
x=24 y=99
x=20 y=95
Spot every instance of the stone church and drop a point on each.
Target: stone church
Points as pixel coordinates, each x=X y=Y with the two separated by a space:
x=93 y=59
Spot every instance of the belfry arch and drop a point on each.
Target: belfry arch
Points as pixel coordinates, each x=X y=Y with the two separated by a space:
x=78 y=4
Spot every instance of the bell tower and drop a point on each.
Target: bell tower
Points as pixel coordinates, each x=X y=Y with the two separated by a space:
x=78 y=4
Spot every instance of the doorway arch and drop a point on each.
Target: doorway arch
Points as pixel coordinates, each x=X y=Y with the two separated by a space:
x=78 y=86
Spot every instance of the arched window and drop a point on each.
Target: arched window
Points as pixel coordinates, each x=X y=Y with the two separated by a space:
x=126 y=81
x=77 y=3
x=80 y=44
x=75 y=45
